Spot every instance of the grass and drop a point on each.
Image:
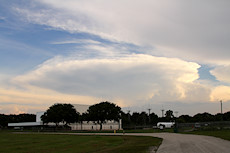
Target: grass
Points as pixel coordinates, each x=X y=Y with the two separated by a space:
x=52 y=143
x=223 y=134
x=126 y=131
x=149 y=131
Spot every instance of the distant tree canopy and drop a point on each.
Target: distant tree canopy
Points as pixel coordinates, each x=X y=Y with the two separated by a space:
x=141 y=119
x=5 y=119
x=184 y=119
x=57 y=113
x=138 y=119
x=204 y=117
x=169 y=115
x=103 y=111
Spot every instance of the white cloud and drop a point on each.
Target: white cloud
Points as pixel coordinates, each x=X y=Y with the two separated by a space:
x=220 y=93
x=76 y=41
x=129 y=79
x=191 y=30
x=222 y=73
x=2 y=18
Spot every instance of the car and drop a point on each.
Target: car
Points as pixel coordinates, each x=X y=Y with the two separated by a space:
x=197 y=125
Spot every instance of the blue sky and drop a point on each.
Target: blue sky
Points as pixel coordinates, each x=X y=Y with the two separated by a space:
x=144 y=54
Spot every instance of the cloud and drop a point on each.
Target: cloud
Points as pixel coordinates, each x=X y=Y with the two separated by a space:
x=222 y=73
x=130 y=52
x=220 y=93
x=2 y=19
x=76 y=41
x=129 y=79
x=34 y=99
x=189 y=30
x=13 y=109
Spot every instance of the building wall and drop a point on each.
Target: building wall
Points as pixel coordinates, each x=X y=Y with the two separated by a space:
x=81 y=108
x=38 y=116
x=111 y=125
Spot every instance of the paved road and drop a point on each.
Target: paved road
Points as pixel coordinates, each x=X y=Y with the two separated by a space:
x=185 y=143
x=180 y=143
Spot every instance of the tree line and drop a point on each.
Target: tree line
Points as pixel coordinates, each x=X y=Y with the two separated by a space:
x=204 y=117
x=12 y=118
x=101 y=112
x=144 y=119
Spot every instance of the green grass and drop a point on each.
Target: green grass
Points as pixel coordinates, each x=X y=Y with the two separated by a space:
x=126 y=131
x=149 y=131
x=223 y=134
x=52 y=143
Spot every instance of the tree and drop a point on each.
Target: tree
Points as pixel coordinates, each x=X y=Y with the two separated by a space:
x=125 y=119
x=26 y=118
x=134 y=118
x=219 y=117
x=184 y=119
x=142 y=119
x=204 y=117
x=153 y=119
x=65 y=113
x=4 y=119
x=104 y=111
x=169 y=115
x=226 y=116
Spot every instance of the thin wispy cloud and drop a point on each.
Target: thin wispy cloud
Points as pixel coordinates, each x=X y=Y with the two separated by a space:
x=75 y=41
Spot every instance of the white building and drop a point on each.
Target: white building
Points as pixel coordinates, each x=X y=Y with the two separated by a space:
x=109 y=125
x=29 y=124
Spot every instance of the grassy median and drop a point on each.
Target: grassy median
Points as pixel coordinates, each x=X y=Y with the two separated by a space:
x=52 y=143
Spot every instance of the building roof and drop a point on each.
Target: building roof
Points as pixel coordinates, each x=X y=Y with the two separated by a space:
x=81 y=108
x=25 y=124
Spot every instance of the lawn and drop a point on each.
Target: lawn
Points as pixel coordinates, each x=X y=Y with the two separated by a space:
x=224 y=134
x=48 y=143
x=170 y=130
x=127 y=131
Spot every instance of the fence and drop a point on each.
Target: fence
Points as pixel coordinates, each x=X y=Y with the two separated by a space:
x=186 y=127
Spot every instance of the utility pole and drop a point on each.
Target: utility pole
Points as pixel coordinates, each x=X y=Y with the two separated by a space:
x=176 y=112
x=129 y=115
x=149 y=115
x=162 y=112
x=149 y=111
x=221 y=107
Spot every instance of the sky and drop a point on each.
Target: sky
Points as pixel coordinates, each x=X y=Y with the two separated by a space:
x=137 y=54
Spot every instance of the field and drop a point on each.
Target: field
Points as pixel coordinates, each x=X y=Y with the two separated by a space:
x=127 y=131
x=33 y=143
x=224 y=134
